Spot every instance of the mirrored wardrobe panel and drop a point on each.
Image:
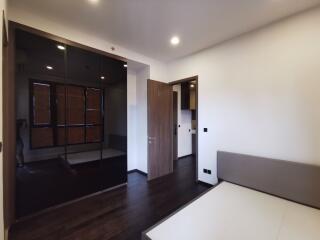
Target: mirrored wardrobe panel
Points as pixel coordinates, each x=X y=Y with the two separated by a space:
x=71 y=122
x=83 y=124
x=114 y=155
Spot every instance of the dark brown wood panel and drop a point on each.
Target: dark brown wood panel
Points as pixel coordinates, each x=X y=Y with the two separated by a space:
x=75 y=105
x=93 y=134
x=93 y=106
x=61 y=104
x=93 y=117
x=160 y=161
x=42 y=137
x=175 y=125
x=61 y=136
x=41 y=104
x=93 y=98
x=65 y=108
x=75 y=135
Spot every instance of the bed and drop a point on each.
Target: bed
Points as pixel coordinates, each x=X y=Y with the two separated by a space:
x=257 y=199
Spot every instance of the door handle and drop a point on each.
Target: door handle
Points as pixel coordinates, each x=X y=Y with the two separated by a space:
x=150 y=139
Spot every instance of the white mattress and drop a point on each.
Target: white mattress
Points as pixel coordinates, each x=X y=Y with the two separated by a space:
x=91 y=156
x=231 y=212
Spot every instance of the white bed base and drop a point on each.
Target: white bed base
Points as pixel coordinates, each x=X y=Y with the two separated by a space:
x=231 y=212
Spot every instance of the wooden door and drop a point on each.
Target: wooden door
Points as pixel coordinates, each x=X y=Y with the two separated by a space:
x=175 y=125
x=160 y=161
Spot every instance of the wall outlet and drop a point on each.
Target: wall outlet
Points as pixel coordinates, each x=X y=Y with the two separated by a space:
x=205 y=129
x=209 y=172
x=205 y=170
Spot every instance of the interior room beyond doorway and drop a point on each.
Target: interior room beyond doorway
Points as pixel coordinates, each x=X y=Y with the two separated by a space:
x=185 y=93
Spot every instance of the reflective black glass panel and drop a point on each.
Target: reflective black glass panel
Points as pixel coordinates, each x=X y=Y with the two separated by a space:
x=71 y=123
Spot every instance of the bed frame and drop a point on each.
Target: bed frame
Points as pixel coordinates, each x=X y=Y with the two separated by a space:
x=292 y=181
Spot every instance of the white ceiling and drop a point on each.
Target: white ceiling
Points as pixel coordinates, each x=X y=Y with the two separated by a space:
x=146 y=26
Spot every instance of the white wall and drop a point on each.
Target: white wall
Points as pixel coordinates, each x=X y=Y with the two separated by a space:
x=142 y=120
x=137 y=119
x=259 y=94
x=184 y=120
x=132 y=118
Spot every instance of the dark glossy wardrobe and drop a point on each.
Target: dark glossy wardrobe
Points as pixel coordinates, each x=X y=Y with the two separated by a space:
x=71 y=122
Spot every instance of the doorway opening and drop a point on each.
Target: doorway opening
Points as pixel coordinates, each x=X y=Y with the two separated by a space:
x=185 y=120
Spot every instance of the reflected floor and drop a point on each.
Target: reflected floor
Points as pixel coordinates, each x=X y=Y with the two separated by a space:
x=47 y=183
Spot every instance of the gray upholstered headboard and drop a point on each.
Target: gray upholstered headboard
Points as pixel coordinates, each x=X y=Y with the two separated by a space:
x=293 y=181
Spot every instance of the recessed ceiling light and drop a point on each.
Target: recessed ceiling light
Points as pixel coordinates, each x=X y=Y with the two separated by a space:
x=102 y=77
x=192 y=85
x=49 y=67
x=94 y=1
x=61 y=47
x=175 y=40
x=125 y=65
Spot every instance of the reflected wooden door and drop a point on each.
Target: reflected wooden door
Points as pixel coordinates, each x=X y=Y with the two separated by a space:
x=160 y=160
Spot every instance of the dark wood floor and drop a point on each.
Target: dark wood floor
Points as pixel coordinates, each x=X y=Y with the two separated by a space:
x=119 y=214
